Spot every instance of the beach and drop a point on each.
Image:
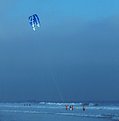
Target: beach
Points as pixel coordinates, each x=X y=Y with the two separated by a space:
x=44 y=117
x=56 y=112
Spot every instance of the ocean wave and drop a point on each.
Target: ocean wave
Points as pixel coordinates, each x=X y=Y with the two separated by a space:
x=58 y=106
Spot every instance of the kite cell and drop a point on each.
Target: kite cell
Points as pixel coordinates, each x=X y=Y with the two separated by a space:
x=34 y=21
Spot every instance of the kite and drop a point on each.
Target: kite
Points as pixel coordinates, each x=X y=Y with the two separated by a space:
x=34 y=21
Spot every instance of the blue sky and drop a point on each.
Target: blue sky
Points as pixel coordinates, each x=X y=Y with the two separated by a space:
x=72 y=57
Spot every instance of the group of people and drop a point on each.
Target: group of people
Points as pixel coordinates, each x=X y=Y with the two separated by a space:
x=71 y=107
x=27 y=104
x=68 y=107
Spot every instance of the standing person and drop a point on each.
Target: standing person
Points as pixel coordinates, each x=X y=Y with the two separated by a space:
x=66 y=107
x=71 y=107
x=84 y=108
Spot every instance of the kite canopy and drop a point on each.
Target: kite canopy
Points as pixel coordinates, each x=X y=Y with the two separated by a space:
x=34 y=21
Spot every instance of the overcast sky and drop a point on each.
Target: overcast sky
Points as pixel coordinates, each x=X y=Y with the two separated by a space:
x=73 y=56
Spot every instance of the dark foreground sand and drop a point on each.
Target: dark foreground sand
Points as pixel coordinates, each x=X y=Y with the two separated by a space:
x=43 y=117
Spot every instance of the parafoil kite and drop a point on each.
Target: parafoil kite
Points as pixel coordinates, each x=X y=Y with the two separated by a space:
x=34 y=21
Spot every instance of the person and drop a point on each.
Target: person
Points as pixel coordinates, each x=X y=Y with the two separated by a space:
x=71 y=107
x=84 y=108
x=67 y=107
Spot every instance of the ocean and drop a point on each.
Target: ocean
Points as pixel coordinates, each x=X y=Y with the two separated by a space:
x=58 y=112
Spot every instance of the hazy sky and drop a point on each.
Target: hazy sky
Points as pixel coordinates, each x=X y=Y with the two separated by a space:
x=74 y=56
